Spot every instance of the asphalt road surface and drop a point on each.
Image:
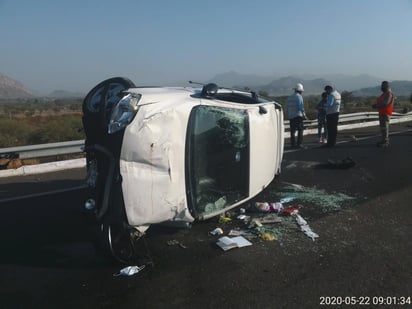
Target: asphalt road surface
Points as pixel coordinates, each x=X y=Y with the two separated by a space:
x=362 y=258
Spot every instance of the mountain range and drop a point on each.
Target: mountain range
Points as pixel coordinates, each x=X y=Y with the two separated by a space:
x=359 y=85
x=399 y=88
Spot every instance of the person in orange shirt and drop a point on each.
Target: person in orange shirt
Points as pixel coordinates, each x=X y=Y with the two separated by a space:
x=384 y=104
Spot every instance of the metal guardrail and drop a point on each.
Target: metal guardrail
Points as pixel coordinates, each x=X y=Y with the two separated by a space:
x=353 y=121
x=42 y=150
x=346 y=121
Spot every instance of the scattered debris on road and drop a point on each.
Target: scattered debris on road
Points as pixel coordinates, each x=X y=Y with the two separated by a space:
x=216 y=231
x=176 y=242
x=319 y=201
x=129 y=271
x=274 y=220
x=305 y=227
x=227 y=243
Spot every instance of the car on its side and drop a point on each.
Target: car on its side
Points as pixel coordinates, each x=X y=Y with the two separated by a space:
x=174 y=154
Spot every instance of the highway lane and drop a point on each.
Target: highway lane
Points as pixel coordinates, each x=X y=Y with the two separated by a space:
x=48 y=259
x=17 y=187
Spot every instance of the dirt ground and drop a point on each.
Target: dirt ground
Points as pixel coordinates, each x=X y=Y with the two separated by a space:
x=362 y=258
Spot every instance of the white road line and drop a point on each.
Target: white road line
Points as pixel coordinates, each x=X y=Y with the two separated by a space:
x=28 y=196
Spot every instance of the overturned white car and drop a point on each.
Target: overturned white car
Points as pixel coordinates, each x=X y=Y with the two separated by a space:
x=177 y=154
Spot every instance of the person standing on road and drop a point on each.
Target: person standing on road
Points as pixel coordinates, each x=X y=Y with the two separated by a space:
x=384 y=104
x=296 y=114
x=321 y=107
x=332 y=115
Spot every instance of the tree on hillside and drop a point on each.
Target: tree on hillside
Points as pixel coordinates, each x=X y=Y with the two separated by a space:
x=347 y=97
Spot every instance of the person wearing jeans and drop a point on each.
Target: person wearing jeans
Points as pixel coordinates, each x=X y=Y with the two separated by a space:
x=322 y=137
x=296 y=114
x=384 y=104
x=332 y=115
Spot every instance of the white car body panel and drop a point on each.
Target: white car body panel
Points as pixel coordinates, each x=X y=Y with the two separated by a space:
x=152 y=161
x=264 y=147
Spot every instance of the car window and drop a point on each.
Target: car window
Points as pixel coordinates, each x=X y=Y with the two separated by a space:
x=218 y=153
x=239 y=98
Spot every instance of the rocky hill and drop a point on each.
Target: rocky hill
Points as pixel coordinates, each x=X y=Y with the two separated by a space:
x=10 y=89
x=313 y=85
x=399 y=88
x=234 y=79
x=271 y=85
x=284 y=86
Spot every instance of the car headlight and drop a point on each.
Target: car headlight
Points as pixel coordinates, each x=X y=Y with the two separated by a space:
x=124 y=112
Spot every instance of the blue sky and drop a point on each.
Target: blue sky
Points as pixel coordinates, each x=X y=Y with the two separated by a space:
x=72 y=45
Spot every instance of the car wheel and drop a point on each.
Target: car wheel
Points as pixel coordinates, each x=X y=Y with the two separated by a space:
x=98 y=105
x=105 y=93
x=120 y=241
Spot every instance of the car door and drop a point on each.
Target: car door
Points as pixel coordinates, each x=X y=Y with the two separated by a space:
x=266 y=145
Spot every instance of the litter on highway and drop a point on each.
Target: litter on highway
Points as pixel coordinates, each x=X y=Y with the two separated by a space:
x=308 y=231
x=269 y=225
x=300 y=220
x=237 y=232
x=216 y=231
x=273 y=220
x=315 y=200
x=290 y=210
x=227 y=243
x=270 y=220
x=268 y=236
x=305 y=228
x=266 y=207
x=224 y=219
x=129 y=271
x=286 y=199
x=175 y=242
x=242 y=217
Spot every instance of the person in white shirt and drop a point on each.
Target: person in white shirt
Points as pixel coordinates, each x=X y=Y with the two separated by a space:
x=332 y=115
x=295 y=112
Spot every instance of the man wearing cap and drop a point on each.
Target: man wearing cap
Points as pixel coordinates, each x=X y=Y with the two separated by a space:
x=296 y=114
x=384 y=104
x=332 y=114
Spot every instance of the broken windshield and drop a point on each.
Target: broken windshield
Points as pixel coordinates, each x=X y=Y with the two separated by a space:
x=218 y=153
